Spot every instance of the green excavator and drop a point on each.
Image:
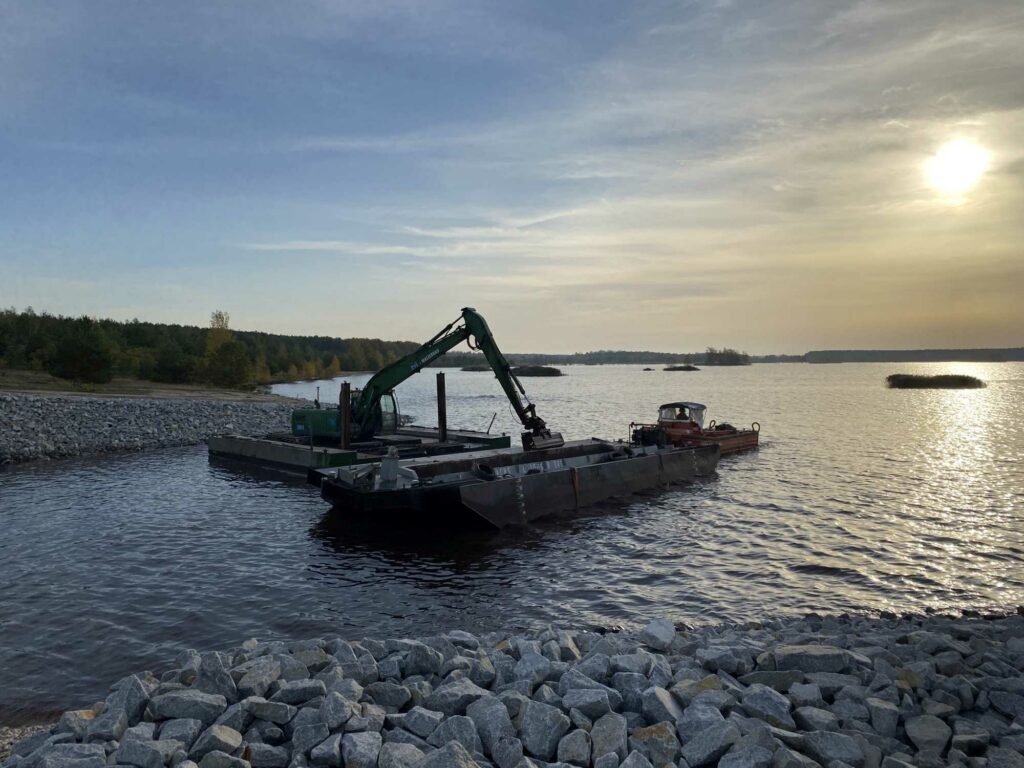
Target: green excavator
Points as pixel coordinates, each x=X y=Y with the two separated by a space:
x=374 y=410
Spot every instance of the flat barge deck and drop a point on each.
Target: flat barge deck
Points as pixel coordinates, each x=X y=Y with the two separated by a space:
x=513 y=486
x=284 y=452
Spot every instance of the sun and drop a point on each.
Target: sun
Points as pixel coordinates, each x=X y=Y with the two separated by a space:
x=956 y=167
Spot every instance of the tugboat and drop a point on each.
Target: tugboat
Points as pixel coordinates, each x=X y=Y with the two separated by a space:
x=682 y=425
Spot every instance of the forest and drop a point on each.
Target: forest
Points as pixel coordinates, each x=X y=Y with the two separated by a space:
x=94 y=351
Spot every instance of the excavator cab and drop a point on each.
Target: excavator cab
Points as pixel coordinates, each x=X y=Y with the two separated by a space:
x=323 y=425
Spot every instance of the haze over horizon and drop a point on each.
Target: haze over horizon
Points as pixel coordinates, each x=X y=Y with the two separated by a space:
x=776 y=177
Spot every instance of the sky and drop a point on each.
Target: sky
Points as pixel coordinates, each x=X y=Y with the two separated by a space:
x=775 y=176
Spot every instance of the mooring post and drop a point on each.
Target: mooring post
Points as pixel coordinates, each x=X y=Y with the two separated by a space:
x=345 y=412
x=442 y=411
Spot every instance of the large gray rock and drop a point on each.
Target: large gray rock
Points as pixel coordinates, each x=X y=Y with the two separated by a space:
x=658 y=743
x=749 y=757
x=272 y=711
x=827 y=747
x=110 y=726
x=574 y=748
x=806 y=695
x=327 y=752
x=781 y=680
x=659 y=705
x=928 y=733
x=138 y=753
x=541 y=728
x=422 y=721
x=337 y=710
x=222 y=760
x=787 y=758
x=394 y=755
x=608 y=736
x=1009 y=704
x=266 y=756
x=885 y=716
x=122 y=709
x=592 y=702
x=507 y=753
x=453 y=698
x=492 y=722
x=697 y=718
x=658 y=634
x=708 y=745
x=258 y=676
x=452 y=755
x=360 y=750
x=999 y=757
x=214 y=677
x=299 y=691
x=811 y=658
x=636 y=760
x=457 y=728
x=218 y=738
x=575 y=679
x=70 y=756
x=140 y=732
x=205 y=707
x=235 y=716
x=423 y=660
x=769 y=705
x=814 y=719
x=389 y=694
x=532 y=667
x=185 y=729
x=305 y=737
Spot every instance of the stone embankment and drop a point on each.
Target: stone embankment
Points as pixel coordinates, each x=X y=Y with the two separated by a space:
x=50 y=427
x=832 y=692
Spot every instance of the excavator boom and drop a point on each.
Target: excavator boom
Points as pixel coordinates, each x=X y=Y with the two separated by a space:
x=471 y=328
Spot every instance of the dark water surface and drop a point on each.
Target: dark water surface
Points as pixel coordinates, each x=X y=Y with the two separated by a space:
x=860 y=499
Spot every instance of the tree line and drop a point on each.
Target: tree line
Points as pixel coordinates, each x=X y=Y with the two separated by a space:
x=94 y=350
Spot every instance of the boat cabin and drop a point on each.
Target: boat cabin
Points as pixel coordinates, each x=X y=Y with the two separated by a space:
x=679 y=414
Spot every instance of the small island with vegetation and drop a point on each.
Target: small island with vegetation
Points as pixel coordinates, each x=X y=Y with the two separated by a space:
x=476 y=368
x=536 y=370
x=942 y=381
x=683 y=367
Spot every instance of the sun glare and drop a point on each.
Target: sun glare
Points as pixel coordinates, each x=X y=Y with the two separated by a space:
x=956 y=167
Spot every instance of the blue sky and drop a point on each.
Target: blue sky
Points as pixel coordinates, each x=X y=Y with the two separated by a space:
x=588 y=175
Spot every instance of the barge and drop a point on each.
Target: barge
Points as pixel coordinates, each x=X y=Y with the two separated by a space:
x=501 y=488
x=285 y=452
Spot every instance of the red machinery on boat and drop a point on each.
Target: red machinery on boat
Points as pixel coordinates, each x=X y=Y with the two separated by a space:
x=682 y=424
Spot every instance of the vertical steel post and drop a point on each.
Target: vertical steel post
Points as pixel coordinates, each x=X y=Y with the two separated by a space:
x=345 y=413
x=442 y=410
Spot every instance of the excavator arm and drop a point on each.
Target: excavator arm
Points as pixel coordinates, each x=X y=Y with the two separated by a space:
x=471 y=328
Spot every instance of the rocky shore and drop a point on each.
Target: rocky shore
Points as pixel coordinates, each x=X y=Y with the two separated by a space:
x=50 y=427
x=829 y=691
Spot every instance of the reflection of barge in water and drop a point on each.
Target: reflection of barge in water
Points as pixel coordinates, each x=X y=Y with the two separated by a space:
x=507 y=487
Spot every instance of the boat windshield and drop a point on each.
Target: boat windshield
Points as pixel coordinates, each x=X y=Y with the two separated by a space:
x=674 y=413
x=680 y=412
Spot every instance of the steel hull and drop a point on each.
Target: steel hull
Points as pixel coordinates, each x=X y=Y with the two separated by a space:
x=523 y=499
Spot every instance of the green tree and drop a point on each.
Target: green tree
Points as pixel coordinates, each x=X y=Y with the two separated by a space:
x=219 y=333
x=172 y=364
x=229 y=365
x=83 y=353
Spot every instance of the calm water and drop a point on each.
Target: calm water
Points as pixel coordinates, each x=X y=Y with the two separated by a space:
x=860 y=499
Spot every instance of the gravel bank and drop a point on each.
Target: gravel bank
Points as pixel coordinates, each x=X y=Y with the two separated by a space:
x=50 y=427
x=804 y=692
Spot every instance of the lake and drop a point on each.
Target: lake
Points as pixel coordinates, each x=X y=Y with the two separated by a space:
x=860 y=499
